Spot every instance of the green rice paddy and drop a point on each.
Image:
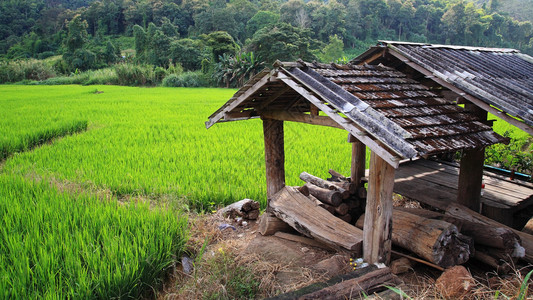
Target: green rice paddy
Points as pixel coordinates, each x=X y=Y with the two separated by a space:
x=92 y=180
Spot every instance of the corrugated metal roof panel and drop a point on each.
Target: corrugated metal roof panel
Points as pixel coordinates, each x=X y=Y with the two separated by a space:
x=499 y=77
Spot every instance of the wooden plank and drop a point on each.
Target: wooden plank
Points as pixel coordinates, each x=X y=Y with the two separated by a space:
x=453 y=168
x=244 y=96
x=491 y=193
x=378 y=213
x=361 y=135
x=358 y=166
x=272 y=98
x=315 y=222
x=470 y=179
x=274 y=156
x=300 y=118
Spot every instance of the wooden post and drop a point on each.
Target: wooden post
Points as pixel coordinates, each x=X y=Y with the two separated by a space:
x=471 y=169
x=274 y=156
x=358 y=160
x=377 y=233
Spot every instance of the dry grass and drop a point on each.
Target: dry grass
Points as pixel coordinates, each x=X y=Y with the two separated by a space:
x=223 y=270
x=421 y=285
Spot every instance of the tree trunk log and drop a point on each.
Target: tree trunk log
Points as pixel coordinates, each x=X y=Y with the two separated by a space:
x=269 y=224
x=461 y=212
x=329 y=208
x=528 y=228
x=437 y=241
x=303 y=215
x=336 y=176
x=342 y=209
x=327 y=196
x=353 y=287
x=324 y=184
x=497 y=237
x=246 y=208
x=346 y=218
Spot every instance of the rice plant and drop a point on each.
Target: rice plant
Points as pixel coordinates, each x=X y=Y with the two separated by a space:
x=56 y=245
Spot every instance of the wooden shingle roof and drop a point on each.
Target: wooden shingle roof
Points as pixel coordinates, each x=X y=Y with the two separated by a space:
x=389 y=112
x=499 y=78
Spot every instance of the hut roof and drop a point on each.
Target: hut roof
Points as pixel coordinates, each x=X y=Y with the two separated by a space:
x=390 y=113
x=501 y=78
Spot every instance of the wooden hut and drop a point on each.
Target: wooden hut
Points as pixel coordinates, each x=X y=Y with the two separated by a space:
x=381 y=108
x=494 y=80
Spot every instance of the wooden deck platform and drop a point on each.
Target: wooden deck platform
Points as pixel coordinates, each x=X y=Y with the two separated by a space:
x=428 y=181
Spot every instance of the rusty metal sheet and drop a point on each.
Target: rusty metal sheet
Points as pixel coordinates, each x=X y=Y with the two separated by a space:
x=502 y=78
x=358 y=73
x=447 y=130
x=371 y=80
x=439 y=119
x=393 y=94
x=404 y=112
x=397 y=103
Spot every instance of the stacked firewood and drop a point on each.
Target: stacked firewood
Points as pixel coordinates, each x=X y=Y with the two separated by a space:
x=336 y=195
x=444 y=239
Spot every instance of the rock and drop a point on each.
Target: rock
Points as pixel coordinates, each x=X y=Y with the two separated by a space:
x=333 y=266
x=455 y=282
x=188 y=264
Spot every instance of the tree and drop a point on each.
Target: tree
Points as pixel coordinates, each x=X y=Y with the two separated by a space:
x=260 y=20
x=188 y=53
x=333 y=51
x=284 y=42
x=77 y=34
x=221 y=42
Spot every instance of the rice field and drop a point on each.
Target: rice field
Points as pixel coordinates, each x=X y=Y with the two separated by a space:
x=153 y=142
x=93 y=179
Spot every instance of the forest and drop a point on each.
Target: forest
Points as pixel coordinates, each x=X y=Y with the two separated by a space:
x=227 y=41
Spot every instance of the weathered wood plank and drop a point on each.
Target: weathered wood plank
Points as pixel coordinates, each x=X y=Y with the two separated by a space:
x=312 y=221
x=274 y=156
x=358 y=165
x=470 y=179
x=282 y=115
x=238 y=100
x=378 y=214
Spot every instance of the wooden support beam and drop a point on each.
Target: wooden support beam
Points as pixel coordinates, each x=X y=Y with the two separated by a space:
x=377 y=235
x=470 y=179
x=471 y=169
x=358 y=160
x=274 y=156
x=301 y=118
x=236 y=102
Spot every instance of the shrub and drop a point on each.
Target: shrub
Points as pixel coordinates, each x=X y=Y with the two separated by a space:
x=130 y=74
x=187 y=79
x=30 y=69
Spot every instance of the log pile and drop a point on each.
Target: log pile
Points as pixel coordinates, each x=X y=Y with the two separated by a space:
x=246 y=208
x=337 y=195
x=441 y=239
x=436 y=241
x=495 y=245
